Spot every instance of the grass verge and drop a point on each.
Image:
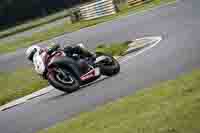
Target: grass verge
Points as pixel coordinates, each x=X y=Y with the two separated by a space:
x=115 y=49
x=25 y=81
x=20 y=83
x=170 y=107
x=33 y=23
x=50 y=33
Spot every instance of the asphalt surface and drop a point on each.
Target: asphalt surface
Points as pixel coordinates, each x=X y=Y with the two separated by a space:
x=178 y=53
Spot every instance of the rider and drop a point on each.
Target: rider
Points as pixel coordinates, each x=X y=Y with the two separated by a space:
x=69 y=51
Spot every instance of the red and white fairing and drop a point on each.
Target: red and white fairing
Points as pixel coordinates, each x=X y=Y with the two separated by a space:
x=92 y=73
x=41 y=59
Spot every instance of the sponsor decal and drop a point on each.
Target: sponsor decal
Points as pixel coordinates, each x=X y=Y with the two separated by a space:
x=90 y=74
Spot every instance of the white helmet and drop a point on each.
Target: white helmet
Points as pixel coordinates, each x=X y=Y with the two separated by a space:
x=31 y=51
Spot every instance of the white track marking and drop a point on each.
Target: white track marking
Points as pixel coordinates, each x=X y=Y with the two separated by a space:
x=156 y=39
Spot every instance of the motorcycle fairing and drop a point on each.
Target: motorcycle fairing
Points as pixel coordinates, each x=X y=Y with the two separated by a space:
x=92 y=73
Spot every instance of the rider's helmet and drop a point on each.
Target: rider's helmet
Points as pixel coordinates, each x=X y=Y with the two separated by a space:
x=31 y=51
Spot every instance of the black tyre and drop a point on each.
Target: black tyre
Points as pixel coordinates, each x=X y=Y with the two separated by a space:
x=65 y=81
x=110 y=67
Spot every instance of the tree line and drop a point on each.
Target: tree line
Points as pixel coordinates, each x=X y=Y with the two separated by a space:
x=13 y=12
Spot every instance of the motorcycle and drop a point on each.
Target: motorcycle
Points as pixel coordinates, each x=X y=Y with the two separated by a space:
x=68 y=74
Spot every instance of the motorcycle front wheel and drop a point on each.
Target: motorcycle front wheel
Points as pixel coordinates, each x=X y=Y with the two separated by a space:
x=63 y=80
x=109 y=66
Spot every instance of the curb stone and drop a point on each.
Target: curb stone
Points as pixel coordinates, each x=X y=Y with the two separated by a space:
x=26 y=98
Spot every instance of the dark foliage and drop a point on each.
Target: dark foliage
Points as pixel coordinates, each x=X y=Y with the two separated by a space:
x=13 y=12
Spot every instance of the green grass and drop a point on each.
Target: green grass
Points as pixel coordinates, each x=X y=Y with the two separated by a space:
x=170 y=107
x=50 y=33
x=18 y=84
x=115 y=49
x=33 y=23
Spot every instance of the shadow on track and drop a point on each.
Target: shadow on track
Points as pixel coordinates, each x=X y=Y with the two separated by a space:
x=74 y=93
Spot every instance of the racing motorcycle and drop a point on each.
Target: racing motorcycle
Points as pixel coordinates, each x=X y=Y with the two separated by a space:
x=68 y=74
